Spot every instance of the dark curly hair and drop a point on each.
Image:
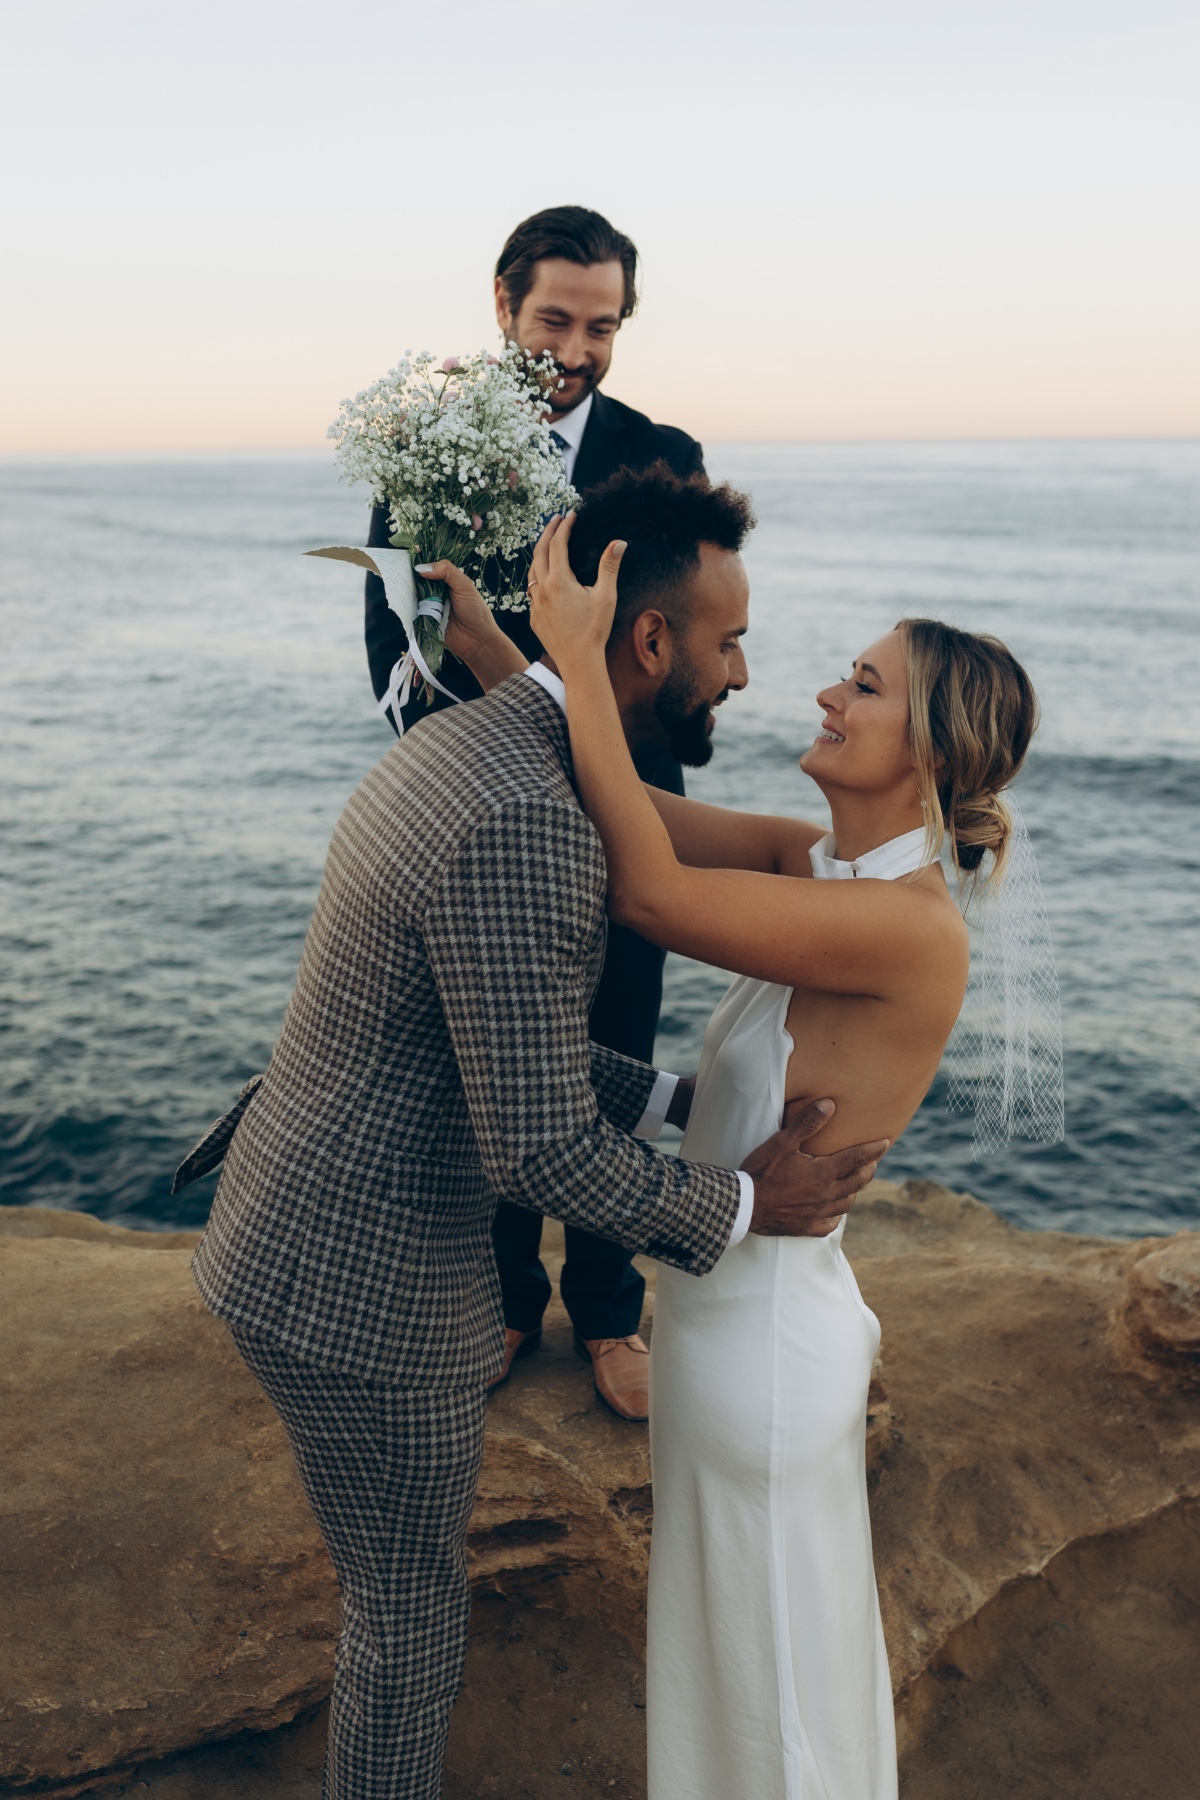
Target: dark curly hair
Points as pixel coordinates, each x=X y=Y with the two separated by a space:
x=574 y=233
x=664 y=520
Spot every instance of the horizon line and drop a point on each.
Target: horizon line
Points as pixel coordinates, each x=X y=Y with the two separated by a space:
x=249 y=451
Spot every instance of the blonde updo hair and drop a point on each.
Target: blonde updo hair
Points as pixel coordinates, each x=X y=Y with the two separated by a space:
x=971 y=714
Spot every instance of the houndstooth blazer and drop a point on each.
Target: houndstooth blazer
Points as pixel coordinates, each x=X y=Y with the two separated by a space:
x=433 y=1058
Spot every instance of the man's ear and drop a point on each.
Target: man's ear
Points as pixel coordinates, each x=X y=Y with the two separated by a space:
x=504 y=318
x=650 y=641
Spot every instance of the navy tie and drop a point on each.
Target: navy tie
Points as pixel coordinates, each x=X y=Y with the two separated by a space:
x=562 y=444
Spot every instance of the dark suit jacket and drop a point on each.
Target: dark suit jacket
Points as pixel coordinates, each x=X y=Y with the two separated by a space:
x=626 y=1007
x=434 y=1057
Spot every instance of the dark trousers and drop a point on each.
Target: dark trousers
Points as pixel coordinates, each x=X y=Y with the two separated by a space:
x=600 y=1288
x=390 y=1474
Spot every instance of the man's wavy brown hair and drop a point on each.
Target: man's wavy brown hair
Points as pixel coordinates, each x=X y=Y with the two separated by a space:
x=576 y=235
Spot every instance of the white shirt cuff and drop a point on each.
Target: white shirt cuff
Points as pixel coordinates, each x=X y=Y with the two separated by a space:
x=554 y=684
x=661 y=1095
x=741 y=1224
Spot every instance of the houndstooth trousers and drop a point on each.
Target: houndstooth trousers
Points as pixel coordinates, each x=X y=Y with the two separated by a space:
x=390 y=1473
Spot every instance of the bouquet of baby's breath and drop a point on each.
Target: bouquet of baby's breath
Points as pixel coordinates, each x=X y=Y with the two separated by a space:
x=460 y=454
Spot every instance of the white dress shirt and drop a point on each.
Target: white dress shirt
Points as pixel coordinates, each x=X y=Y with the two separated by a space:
x=655 y=1114
x=570 y=429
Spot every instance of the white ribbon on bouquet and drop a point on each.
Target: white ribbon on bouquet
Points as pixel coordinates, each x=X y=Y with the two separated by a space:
x=394 y=568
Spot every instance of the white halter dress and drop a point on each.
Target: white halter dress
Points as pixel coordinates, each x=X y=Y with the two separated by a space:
x=767 y=1672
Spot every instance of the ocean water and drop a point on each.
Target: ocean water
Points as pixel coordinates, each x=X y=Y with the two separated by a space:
x=186 y=707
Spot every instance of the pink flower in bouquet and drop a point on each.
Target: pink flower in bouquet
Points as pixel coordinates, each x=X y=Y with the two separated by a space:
x=513 y=478
x=451 y=363
x=476 y=522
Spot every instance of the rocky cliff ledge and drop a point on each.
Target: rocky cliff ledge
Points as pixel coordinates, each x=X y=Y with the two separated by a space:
x=167 y=1612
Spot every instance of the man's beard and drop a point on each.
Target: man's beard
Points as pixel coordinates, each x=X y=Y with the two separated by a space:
x=590 y=374
x=684 y=716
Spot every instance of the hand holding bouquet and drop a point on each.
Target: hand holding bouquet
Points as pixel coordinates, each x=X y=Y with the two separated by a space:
x=460 y=454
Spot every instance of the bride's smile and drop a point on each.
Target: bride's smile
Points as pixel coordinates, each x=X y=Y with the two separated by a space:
x=862 y=758
x=869 y=705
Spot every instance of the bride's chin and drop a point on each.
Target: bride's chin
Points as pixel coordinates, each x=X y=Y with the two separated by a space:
x=815 y=775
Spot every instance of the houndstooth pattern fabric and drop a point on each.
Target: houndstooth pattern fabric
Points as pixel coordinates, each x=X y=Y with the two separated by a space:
x=390 y=1473
x=433 y=1058
x=210 y=1151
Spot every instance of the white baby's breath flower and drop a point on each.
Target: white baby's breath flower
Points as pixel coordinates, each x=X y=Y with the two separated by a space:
x=460 y=454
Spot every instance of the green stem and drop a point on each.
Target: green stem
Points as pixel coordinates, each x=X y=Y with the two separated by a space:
x=428 y=634
x=439 y=542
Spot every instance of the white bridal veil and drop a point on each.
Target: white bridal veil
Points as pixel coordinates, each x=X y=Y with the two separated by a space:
x=1006 y=1051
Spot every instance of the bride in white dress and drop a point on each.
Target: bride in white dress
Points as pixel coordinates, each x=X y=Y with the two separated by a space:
x=767 y=1670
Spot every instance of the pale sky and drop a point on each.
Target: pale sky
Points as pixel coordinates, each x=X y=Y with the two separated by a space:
x=857 y=218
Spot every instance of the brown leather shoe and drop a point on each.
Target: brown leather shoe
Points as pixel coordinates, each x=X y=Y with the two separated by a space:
x=516 y=1343
x=621 y=1370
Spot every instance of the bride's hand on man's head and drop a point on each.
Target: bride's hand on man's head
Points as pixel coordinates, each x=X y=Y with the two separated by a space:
x=570 y=620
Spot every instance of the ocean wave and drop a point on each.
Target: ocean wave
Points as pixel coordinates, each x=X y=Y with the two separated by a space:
x=163 y=851
x=1126 y=1167
x=115 y=1165
x=1166 y=780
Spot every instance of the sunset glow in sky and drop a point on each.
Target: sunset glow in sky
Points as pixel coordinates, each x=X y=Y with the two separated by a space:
x=883 y=218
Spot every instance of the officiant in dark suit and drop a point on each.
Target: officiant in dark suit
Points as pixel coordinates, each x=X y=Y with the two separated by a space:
x=565 y=283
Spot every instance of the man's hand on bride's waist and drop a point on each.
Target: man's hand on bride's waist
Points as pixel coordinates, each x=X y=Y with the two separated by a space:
x=796 y=1195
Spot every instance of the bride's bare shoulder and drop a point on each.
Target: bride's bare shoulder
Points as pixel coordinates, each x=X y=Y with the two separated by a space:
x=939 y=926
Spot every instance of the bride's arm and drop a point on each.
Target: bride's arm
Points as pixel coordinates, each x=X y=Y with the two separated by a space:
x=717 y=837
x=839 y=937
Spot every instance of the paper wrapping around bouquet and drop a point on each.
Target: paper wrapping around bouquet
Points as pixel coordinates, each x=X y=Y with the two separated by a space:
x=393 y=567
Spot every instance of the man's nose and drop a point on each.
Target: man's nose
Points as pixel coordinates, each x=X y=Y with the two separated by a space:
x=739 y=673
x=571 y=347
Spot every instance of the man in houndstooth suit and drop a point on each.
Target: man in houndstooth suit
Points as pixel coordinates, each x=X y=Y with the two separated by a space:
x=435 y=1056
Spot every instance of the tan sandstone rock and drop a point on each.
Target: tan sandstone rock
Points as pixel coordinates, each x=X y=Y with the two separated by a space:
x=163 y=1585
x=1035 y=1513
x=161 y=1578
x=1034 y=1463
x=1161 y=1311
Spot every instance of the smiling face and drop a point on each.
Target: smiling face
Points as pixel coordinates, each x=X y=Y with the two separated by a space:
x=572 y=310
x=707 y=660
x=863 y=745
